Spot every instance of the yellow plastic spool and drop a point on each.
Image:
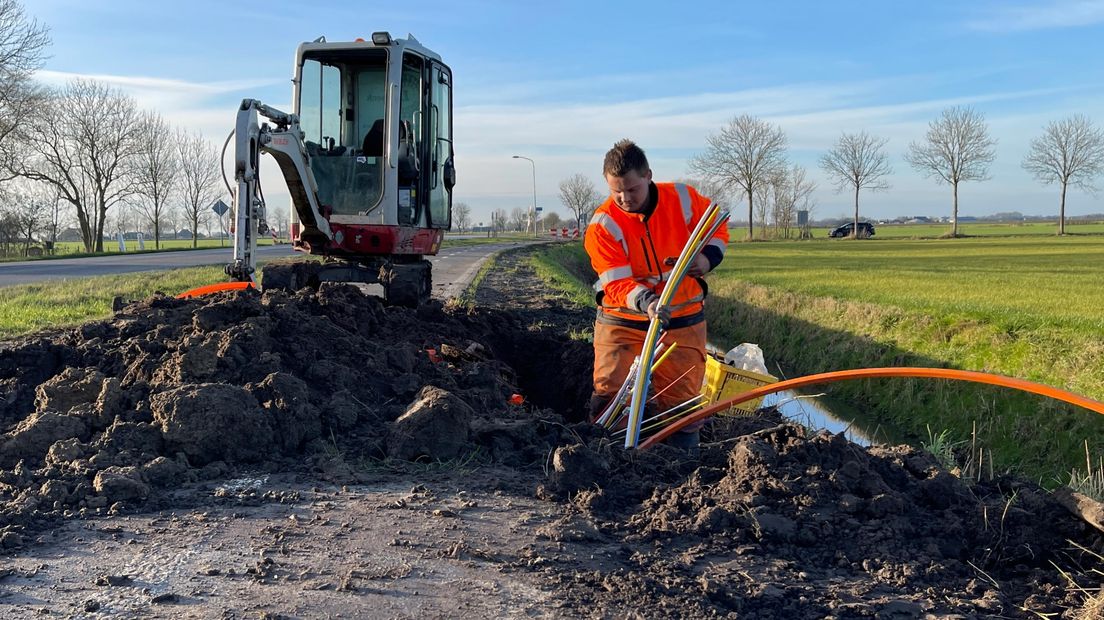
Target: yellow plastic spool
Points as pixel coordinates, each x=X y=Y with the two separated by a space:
x=723 y=382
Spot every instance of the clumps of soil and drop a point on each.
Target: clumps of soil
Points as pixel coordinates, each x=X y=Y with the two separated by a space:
x=829 y=528
x=113 y=413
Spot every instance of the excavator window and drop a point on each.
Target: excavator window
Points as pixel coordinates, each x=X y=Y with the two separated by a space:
x=341 y=97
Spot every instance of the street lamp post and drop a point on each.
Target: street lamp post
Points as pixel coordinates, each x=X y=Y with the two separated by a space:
x=532 y=209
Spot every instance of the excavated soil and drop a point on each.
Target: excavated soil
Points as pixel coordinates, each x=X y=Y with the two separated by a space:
x=322 y=454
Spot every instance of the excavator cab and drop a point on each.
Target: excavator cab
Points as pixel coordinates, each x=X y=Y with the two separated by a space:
x=367 y=155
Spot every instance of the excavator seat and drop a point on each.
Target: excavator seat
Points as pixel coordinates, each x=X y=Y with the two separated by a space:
x=373 y=140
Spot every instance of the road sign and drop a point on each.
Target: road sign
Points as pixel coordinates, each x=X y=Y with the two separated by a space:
x=539 y=209
x=220 y=208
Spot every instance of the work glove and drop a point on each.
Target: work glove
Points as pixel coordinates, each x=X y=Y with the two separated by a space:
x=698 y=267
x=656 y=311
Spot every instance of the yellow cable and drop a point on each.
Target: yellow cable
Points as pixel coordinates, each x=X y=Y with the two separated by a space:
x=674 y=345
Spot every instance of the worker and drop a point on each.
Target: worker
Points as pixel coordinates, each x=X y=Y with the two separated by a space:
x=633 y=241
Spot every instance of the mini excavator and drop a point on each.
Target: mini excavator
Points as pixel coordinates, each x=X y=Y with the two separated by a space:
x=367 y=155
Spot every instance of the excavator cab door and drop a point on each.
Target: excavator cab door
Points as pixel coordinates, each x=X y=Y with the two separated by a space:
x=442 y=170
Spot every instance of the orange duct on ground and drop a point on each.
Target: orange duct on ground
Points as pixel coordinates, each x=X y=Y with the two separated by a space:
x=215 y=288
x=872 y=373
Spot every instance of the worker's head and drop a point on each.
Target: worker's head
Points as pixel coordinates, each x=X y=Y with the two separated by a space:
x=628 y=175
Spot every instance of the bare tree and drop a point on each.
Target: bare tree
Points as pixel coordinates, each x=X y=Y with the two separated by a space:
x=84 y=145
x=956 y=148
x=790 y=191
x=763 y=193
x=1070 y=152
x=30 y=206
x=519 y=218
x=55 y=219
x=858 y=161
x=498 y=221
x=461 y=216
x=198 y=182
x=552 y=220
x=711 y=190
x=579 y=195
x=742 y=157
x=23 y=43
x=156 y=170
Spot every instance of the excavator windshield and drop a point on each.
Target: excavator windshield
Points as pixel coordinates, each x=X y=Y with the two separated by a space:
x=342 y=112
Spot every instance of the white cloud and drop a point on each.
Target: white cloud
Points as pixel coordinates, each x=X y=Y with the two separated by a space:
x=567 y=138
x=1055 y=14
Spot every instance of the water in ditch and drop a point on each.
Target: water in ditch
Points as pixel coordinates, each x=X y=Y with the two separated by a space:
x=810 y=410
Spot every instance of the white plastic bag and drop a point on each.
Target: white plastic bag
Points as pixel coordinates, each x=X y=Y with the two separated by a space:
x=747 y=356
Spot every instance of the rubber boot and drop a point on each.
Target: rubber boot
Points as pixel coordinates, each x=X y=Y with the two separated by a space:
x=597 y=404
x=687 y=441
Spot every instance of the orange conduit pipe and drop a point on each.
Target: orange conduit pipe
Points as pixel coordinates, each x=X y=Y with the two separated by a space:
x=873 y=373
x=215 y=288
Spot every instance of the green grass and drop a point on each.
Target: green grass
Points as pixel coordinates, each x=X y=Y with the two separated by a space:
x=1025 y=307
x=1016 y=283
x=75 y=249
x=565 y=268
x=979 y=229
x=61 y=303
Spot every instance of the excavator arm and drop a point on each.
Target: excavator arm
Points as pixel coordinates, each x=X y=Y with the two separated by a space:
x=284 y=142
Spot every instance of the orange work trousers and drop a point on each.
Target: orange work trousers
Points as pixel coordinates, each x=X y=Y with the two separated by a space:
x=679 y=377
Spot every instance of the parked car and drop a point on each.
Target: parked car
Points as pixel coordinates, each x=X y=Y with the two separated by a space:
x=866 y=229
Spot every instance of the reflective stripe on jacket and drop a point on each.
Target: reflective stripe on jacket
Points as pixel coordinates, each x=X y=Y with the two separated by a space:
x=632 y=255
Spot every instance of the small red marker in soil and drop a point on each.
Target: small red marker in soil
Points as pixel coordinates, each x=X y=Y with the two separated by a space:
x=517 y=399
x=433 y=357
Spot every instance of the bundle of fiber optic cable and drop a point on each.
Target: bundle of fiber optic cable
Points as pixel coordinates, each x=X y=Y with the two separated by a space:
x=635 y=388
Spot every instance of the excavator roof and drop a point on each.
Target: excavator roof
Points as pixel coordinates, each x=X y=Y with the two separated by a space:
x=409 y=43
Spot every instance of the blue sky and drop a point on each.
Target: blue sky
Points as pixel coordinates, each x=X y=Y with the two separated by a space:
x=561 y=81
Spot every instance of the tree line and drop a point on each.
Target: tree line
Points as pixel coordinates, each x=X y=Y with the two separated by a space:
x=86 y=150
x=746 y=160
x=748 y=156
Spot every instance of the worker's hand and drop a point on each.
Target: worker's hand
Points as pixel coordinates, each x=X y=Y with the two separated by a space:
x=663 y=313
x=698 y=267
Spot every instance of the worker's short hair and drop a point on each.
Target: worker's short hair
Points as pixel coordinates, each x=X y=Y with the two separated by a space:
x=625 y=157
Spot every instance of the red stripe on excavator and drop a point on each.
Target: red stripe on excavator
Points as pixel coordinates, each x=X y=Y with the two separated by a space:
x=381 y=240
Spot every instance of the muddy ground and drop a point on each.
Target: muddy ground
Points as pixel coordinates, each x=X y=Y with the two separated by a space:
x=322 y=455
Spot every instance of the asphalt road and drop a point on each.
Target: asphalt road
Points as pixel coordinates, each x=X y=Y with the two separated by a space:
x=453 y=268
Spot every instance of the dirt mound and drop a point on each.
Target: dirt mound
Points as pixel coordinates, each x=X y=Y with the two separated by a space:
x=107 y=415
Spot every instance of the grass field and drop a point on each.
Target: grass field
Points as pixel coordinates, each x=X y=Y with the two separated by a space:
x=74 y=249
x=976 y=229
x=1012 y=282
x=31 y=307
x=1025 y=307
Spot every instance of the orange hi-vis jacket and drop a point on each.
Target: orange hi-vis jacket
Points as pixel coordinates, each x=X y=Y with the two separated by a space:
x=633 y=254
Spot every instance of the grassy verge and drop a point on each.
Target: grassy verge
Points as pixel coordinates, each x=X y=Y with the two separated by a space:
x=467 y=298
x=76 y=250
x=62 y=303
x=566 y=268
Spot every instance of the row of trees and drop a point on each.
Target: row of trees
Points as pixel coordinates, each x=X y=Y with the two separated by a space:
x=748 y=157
x=90 y=148
x=516 y=219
